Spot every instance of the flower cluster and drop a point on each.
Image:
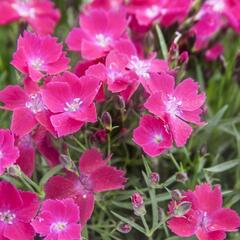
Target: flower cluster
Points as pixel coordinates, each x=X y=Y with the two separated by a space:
x=55 y=101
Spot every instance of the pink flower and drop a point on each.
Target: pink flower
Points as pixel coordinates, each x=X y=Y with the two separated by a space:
x=8 y=152
x=165 y=11
x=27 y=106
x=58 y=219
x=214 y=15
x=71 y=100
x=214 y=52
x=176 y=106
x=98 y=33
x=39 y=56
x=95 y=176
x=40 y=14
x=105 y=4
x=152 y=135
x=206 y=218
x=17 y=209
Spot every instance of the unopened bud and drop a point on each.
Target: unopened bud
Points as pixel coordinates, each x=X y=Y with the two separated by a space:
x=181 y=177
x=14 y=171
x=176 y=195
x=67 y=163
x=183 y=58
x=124 y=227
x=138 y=204
x=182 y=208
x=101 y=135
x=107 y=120
x=203 y=149
x=154 y=179
x=120 y=103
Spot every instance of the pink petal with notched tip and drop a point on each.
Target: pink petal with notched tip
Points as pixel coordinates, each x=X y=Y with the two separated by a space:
x=56 y=95
x=64 y=124
x=205 y=235
x=90 y=161
x=193 y=116
x=208 y=200
x=225 y=219
x=74 y=39
x=8 y=14
x=13 y=97
x=180 y=130
x=107 y=178
x=156 y=105
x=187 y=93
x=23 y=121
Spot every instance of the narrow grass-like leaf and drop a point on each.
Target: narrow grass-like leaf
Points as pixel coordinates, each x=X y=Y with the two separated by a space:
x=223 y=166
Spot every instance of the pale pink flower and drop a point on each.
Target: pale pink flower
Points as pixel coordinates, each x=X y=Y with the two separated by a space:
x=38 y=56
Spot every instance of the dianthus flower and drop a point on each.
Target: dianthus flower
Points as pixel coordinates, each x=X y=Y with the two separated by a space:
x=95 y=176
x=206 y=218
x=39 y=14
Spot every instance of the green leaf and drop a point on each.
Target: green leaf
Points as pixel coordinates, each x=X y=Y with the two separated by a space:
x=131 y=223
x=223 y=166
x=162 y=42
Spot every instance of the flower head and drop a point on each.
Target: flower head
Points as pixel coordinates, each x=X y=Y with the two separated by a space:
x=40 y=15
x=152 y=135
x=58 y=219
x=95 y=176
x=203 y=216
x=17 y=209
x=98 y=33
x=38 y=56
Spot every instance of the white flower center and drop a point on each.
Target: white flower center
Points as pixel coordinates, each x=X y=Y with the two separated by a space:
x=58 y=226
x=113 y=72
x=36 y=63
x=7 y=217
x=35 y=103
x=217 y=5
x=152 y=11
x=140 y=67
x=74 y=105
x=172 y=106
x=21 y=6
x=157 y=138
x=102 y=40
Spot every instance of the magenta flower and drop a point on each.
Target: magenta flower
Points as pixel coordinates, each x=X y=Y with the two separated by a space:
x=214 y=15
x=214 y=52
x=95 y=176
x=71 y=100
x=98 y=33
x=39 y=14
x=38 y=56
x=8 y=152
x=27 y=106
x=176 y=106
x=58 y=219
x=206 y=218
x=165 y=11
x=17 y=209
x=152 y=135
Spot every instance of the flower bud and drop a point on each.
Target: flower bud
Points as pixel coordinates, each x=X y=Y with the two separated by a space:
x=154 y=179
x=138 y=204
x=183 y=58
x=182 y=208
x=176 y=195
x=124 y=227
x=101 y=135
x=120 y=103
x=181 y=177
x=14 y=170
x=107 y=120
x=67 y=163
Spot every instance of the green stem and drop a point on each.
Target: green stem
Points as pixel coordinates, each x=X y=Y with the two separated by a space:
x=152 y=193
x=145 y=225
x=79 y=143
x=175 y=162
